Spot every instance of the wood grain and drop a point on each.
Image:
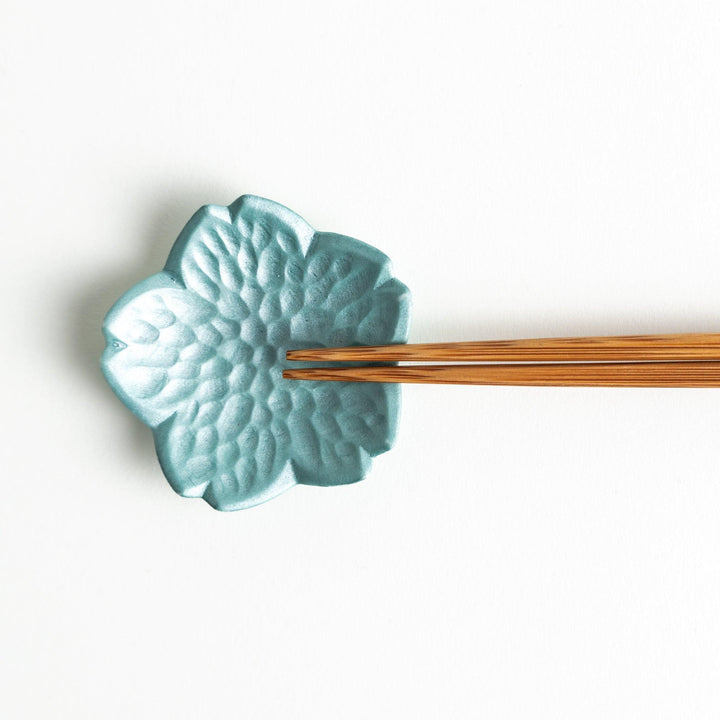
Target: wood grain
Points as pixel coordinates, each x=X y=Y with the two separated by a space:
x=640 y=374
x=688 y=346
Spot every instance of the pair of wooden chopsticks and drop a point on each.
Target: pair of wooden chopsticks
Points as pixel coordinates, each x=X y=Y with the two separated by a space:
x=685 y=360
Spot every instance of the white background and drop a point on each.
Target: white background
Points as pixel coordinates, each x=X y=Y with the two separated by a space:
x=533 y=169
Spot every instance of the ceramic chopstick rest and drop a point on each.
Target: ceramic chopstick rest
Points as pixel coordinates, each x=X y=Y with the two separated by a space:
x=197 y=351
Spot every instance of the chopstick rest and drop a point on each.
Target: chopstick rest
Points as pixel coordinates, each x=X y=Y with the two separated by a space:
x=197 y=352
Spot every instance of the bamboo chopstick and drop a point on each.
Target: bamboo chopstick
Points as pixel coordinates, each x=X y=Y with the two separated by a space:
x=639 y=374
x=681 y=360
x=688 y=346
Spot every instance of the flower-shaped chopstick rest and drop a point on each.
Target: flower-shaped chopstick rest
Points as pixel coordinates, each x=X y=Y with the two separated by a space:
x=197 y=351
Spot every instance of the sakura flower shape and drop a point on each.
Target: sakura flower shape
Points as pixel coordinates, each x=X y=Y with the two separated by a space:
x=197 y=352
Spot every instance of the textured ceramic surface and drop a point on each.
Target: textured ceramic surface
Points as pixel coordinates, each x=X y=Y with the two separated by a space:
x=197 y=352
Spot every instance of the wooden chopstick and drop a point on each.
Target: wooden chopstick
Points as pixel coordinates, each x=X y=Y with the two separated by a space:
x=639 y=374
x=681 y=360
x=688 y=346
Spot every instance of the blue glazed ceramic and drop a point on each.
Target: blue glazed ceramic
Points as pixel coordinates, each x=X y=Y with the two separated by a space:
x=197 y=352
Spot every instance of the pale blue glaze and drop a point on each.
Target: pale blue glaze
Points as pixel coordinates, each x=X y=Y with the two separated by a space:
x=197 y=352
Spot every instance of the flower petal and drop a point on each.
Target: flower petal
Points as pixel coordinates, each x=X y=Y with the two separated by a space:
x=350 y=296
x=240 y=252
x=148 y=331
x=336 y=428
x=218 y=453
